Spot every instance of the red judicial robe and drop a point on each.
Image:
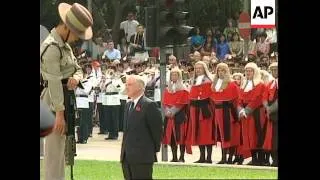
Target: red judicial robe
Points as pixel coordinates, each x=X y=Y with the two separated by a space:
x=225 y=115
x=240 y=150
x=176 y=126
x=254 y=126
x=200 y=125
x=271 y=95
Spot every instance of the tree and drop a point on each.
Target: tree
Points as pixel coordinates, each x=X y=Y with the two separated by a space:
x=118 y=6
x=208 y=13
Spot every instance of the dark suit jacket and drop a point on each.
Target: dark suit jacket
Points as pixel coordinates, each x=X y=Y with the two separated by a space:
x=142 y=132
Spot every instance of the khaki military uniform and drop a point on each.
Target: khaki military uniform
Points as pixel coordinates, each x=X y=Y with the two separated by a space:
x=55 y=66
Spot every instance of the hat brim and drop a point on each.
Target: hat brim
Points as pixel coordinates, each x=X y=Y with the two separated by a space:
x=63 y=8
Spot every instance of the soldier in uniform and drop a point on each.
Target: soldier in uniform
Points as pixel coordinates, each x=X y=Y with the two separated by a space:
x=97 y=79
x=83 y=107
x=111 y=102
x=88 y=70
x=61 y=75
x=120 y=76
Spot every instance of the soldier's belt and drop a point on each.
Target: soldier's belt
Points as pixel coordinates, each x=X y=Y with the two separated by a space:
x=82 y=95
x=63 y=81
x=111 y=93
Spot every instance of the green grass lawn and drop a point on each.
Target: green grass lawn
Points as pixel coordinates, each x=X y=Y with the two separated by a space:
x=107 y=170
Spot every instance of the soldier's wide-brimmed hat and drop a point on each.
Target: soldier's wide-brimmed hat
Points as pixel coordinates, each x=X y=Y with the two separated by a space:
x=77 y=18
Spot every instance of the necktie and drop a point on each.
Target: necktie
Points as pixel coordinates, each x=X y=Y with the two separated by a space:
x=131 y=106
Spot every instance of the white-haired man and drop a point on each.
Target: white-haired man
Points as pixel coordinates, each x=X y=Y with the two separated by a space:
x=201 y=124
x=142 y=132
x=252 y=113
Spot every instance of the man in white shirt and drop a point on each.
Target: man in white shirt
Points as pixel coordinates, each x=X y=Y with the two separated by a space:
x=111 y=53
x=272 y=38
x=129 y=26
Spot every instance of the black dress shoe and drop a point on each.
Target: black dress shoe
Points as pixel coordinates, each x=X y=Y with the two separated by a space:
x=209 y=161
x=236 y=160
x=174 y=160
x=252 y=163
x=181 y=160
x=200 y=161
x=81 y=142
x=111 y=138
x=266 y=164
x=222 y=162
x=229 y=161
x=240 y=161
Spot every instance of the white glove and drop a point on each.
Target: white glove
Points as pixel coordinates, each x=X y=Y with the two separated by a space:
x=242 y=113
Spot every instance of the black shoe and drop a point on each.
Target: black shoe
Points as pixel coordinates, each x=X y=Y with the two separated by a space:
x=252 y=163
x=209 y=161
x=274 y=164
x=236 y=160
x=200 y=161
x=266 y=164
x=222 y=162
x=101 y=133
x=81 y=142
x=240 y=161
x=111 y=138
x=90 y=135
x=174 y=160
x=229 y=161
x=181 y=160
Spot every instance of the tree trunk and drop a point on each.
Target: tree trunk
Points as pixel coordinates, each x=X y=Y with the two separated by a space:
x=117 y=20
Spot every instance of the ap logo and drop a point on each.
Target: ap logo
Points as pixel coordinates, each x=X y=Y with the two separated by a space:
x=263 y=13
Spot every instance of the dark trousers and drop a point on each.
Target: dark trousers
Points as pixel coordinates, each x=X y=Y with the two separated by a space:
x=84 y=124
x=121 y=114
x=112 y=119
x=102 y=118
x=136 y=171
x=90 y=113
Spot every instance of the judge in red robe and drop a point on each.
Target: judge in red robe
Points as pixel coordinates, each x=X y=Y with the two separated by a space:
x=200 y=125
x=270 y=102
x=237 y=78
x=240 y=153
x=252 y=113
x=225 y=94
x=175 y=104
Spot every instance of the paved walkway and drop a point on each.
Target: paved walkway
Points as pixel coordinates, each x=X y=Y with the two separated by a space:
x=98 y=148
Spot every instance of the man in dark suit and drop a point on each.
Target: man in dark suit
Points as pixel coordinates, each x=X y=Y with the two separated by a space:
x=142 y=132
